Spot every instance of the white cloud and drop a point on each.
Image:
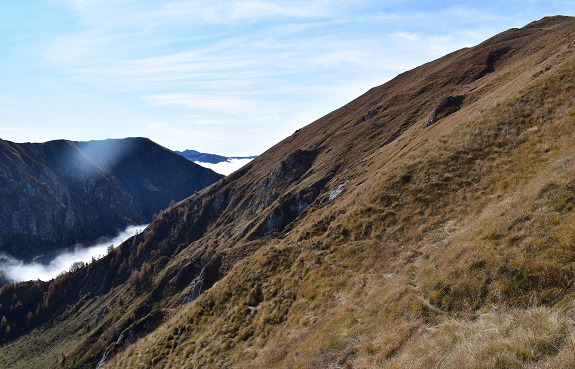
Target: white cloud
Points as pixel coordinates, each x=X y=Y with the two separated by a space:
x=75 y=50
x=233 y=11
x=340 y=57
x=225 y=167
x=407 y=35
x=265 y=9
x=78 y=4
x=16 y=270
x=201 y=101
x=14 y=106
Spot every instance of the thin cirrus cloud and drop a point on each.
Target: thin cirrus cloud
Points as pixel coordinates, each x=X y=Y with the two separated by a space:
x=407 y=35
x=200 y=101
x=191 y=66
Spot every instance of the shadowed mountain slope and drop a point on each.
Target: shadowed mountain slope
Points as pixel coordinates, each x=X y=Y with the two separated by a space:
x=59 y=193
x=428 y=223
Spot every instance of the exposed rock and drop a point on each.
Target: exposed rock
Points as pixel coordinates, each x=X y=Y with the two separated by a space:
x=492 y=60
x=209 y=275
x=289 y=208
x=197 y=289
x=370 y=114
x=337 y=191
x=447 y=106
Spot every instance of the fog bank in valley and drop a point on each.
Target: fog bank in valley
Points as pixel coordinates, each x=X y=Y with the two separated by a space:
x=17 y=270
x=225 y=167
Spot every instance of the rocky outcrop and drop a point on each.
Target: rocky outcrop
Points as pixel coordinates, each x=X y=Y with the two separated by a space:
x=447 y=106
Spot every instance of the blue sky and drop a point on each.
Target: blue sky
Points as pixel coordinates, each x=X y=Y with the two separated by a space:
x=225 y=77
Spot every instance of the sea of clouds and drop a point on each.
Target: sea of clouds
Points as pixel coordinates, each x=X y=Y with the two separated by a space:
x=16 y=270
x=225 y=167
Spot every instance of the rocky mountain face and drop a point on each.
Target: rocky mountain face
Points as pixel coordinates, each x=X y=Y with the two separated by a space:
x=428 y=223
x=60 y=193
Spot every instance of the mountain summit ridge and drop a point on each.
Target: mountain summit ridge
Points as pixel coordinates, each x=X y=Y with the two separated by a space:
x=375 y=237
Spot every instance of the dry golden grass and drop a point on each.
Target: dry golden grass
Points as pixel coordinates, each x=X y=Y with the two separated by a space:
x=498 y=339
x=457 y=255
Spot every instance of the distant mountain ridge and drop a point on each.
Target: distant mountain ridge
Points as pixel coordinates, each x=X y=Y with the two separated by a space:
x=61 y=192
x=201 y=157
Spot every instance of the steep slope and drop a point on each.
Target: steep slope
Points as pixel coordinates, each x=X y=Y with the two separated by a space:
x=58 y=193
x=428 y=223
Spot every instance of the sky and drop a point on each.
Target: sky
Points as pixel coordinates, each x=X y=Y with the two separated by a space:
x=228 y=77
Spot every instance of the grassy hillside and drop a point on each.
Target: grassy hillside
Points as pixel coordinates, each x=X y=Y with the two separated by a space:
x=428 y=223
